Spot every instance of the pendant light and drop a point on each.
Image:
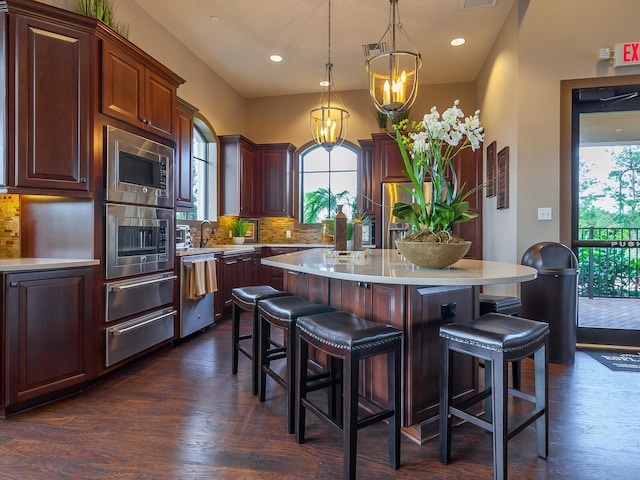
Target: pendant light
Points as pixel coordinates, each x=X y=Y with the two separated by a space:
x=329 y=121
x=393 y=75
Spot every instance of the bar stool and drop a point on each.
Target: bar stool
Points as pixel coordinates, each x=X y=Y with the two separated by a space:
x=349 y=338
x=247 y=298
x=282 y=313
x=497 y=339
x=508 y=306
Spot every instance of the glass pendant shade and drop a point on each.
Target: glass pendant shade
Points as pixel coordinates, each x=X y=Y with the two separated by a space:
x=329 y=120
x=393 y=75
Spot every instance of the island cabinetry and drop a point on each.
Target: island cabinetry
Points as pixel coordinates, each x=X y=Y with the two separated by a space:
x=428 y=308
x=238 y=171
x=237 y=271
x=138 y=90
x=48 y=103
x=184 y=155
x=312 y=287
x=276 y=180
x=47 y=318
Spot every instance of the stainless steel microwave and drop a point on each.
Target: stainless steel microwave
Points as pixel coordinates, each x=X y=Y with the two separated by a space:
x=138 y=240
x=139 y=170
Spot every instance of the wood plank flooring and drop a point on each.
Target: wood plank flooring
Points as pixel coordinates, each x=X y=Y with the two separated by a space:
x=180 y=414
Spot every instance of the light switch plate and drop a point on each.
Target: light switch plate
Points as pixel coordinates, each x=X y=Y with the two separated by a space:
x=544 y=213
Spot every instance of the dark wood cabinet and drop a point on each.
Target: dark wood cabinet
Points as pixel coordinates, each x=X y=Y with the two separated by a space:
x=138 y=91
x=183 y=166
x=237 y=270
x=272 y=275
x=49 y=113
x=238 y=169
x=369 y=192
x=468 y=165
x=389 y=158
x=47 y=320
x=276 y=180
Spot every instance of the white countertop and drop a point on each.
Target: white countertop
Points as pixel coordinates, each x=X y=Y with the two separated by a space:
x=32 y=264
x=388 y=266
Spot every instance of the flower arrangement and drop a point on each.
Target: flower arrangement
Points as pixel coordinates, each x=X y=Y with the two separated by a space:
x=428 y=152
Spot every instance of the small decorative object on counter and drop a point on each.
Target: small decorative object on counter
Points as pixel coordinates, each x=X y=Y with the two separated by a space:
x=340 y=230
x=357 y=235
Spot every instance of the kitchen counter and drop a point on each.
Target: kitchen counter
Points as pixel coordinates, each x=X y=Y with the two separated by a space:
x=388 y=266
x=33 y=264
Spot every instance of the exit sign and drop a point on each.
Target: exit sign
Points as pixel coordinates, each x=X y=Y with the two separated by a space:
x=626 y=54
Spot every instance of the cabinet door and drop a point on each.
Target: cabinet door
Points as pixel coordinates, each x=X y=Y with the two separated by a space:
x=159 y=104
x=276 y=162
x=237 y=175
x=369 y=194
x=248 y=175
x=123 y=77
x=184 y=155
x=51 y=87
x=389 y=158
x=229 y=279
x=49 y=339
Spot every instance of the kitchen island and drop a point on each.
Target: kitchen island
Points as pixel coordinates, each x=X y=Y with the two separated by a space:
x=384 y=287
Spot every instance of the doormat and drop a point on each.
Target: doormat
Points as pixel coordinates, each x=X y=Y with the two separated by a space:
x=616 y=361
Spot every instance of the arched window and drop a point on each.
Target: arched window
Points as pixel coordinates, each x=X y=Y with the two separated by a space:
x=327 y=179
x=204 y=170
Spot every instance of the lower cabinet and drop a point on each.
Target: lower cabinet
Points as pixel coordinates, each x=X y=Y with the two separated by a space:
x=47 y=327
x=271 y=275
x=237 y=270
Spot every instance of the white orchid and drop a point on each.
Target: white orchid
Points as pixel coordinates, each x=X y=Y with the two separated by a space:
x=433 y=144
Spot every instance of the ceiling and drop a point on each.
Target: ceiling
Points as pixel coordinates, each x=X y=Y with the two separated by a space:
x=238 y=42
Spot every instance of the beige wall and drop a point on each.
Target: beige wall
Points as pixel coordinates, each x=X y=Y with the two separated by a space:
x=542 y=43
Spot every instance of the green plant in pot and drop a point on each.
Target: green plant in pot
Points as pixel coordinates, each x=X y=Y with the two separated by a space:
x=428 y=152
x=104 y=11
x=239 y=228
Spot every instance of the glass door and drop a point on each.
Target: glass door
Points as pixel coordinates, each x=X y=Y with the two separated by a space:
x=606 y=212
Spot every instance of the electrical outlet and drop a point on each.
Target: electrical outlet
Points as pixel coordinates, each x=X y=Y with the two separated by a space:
x=288 y=233
x=230 y=234
x=544 y=213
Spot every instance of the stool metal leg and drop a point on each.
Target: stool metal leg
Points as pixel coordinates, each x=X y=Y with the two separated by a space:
x=446 y=386
x=541 y=365
x=499 y=392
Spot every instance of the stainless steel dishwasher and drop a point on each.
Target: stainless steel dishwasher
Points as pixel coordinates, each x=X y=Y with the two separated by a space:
x=194 y=314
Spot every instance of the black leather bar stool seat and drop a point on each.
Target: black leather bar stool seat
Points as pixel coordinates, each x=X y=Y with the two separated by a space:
x=282 y=313
x=508 y=306
x=247 y=298
x=350 y=339
x=497 y=339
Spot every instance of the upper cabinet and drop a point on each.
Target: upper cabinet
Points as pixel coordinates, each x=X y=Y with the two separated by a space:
x=48 y=103
x=184 y=154
x=138 y=92
x=255 y=180
x=238 y=171
x=276 y=184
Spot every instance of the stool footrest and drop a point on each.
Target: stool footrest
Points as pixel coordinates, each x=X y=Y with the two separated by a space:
x=532 y=417
x=471 y=418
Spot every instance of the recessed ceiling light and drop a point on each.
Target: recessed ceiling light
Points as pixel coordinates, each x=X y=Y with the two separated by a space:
x=275 y=58
x=456 y=42
x=324 y=83
x=213 y=18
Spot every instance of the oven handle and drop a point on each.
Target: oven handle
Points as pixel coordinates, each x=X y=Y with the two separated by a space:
x=122 y=331
x=119 y=288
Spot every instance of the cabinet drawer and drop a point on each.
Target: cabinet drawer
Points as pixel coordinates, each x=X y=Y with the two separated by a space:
x=130 y=338
x=129 y=297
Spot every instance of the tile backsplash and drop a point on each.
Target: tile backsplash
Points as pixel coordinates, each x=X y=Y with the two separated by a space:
x=9 y=226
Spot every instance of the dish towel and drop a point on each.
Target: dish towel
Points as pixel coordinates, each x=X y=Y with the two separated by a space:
x=210 y=281
x=196 y=280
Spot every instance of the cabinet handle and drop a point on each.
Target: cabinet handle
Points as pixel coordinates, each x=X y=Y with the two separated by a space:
x=13 y=284
x=83 y=180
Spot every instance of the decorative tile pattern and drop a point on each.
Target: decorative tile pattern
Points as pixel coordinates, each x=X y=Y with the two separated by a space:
x=9 y=226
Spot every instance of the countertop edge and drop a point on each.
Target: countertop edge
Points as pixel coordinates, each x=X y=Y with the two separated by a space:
x=34 y=264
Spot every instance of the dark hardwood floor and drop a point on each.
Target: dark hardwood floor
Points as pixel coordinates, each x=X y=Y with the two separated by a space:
x=180 y=414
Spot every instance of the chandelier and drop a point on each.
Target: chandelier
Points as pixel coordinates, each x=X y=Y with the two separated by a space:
x=328 y=121
x=393 y=75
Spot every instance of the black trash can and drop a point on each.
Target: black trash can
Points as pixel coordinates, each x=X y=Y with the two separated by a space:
x=553 y=296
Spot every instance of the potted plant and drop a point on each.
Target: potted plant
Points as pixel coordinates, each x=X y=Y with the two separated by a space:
x=428 y=153
x=239 y=229
x=104 y=11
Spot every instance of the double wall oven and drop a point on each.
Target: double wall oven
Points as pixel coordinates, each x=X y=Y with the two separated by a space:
x=139 y=243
